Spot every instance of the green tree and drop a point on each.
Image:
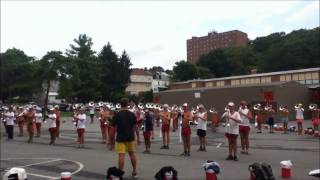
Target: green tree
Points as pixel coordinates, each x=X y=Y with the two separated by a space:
x=17 y=72
x=183 y=71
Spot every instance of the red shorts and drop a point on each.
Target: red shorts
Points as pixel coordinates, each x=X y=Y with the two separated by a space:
x=103 y=125
x=80 y=131
x=165 y=128
x=147 y=134
x=186 y=131
x=231 y=136
x=58 y=124
x=244 y=129
x=38 y=125
x=316 y=121
x=31 y=127
x=299 y=121
x=52 y=130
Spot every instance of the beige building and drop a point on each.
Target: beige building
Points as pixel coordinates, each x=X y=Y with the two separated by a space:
x=140 y=81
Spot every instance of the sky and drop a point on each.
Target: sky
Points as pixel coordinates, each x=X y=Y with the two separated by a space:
x=153 y=33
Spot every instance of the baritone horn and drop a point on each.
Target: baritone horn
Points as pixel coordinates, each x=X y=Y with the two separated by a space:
x=140 y=106
x=212 y=110
x=298 y=106
x=268 y=107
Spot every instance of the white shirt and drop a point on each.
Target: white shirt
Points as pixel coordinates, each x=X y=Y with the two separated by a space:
x=92 y=110
x=232 y=127
x=38 y=117
x=9 y=118
x=202 y=124
x=299 y=114
x=81 y=121
x=245 y=120
x=52 y=120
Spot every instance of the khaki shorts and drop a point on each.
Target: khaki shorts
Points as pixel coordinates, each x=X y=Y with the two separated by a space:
x=123 y=147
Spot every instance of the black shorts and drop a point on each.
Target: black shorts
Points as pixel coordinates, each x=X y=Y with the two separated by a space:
x=201 y=133
x=270 y=121
x=91 y=115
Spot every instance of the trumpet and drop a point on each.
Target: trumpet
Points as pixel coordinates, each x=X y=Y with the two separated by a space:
x=91 y=104
x=140 y=105
x=313 y=107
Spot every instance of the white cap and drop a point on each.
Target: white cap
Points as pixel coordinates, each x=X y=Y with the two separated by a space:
x=185 y=104
x=201 y=106
x=230 y=104
x=51 y=109
x=56 y=106
x=165 y=106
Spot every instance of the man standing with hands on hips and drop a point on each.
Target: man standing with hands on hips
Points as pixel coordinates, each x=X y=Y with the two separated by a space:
x=125 y=124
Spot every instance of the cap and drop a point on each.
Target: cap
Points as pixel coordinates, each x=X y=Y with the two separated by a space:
x=185 y=104
x=230 y=104
x=51 y=109
x=165 y=106
x=56 y=106
x=201 y=106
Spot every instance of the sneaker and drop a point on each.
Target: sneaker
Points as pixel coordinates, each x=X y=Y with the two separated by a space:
x=188 y=154
x=229 y=157
x=134 y=175
x=235 y=158
x=162 y=147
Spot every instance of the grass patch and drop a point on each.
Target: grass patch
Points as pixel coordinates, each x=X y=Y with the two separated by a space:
x=66 y=114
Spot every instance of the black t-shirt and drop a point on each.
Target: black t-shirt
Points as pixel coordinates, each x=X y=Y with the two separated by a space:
x=124 y=121
x=148 y=124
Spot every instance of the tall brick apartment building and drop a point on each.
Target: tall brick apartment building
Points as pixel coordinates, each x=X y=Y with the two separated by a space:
x=197 y=46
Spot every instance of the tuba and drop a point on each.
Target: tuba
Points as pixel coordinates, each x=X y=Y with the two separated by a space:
x=91 y=104
x=282 y=108
x=212 y=110
x=268 y=107
x=100 y=104
x=313 y=107
x=298 y=106
x=140 y=106
x=118 y=106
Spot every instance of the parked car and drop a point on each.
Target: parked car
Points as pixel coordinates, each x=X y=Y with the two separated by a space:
x=65 y=107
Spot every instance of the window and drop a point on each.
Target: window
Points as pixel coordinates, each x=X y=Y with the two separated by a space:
x=243 y=81
x=288 y=77
x=295 y=77
x=308 y=76
x=257 y=80
x=263 y=80
x=308 y=81
x=268 y=79
x=247 y=81
x=301 y=77
x=233 y=82
x=315 y=81
x=193 y=85
x=282 y=78
x=209 y=84
x=315 y=75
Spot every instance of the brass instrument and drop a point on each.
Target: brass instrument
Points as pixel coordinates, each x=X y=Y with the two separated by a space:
x=313 y=107
x=212 y=110
x=257 y=107
x=140 y=106
x=91 y=104
x=268 y=107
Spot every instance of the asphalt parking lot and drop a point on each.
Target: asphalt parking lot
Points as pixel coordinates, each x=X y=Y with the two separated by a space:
x=42 y=161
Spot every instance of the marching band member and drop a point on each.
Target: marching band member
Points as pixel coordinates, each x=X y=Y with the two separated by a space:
x=187 y=116
x=201 y=117
x=270 y=113
x=174 y=115
x=299 y=117
x=9 y=117
x=258 y=117
x=165 y=128
x=38 y=119
x=58 y=114
x=81 y=125
x=104 y=122
x=284 y=114
x=29 y=118
x=214 y=120
x=91 y=112
x=20 y=120
x=233 y=120
x=3 y=119
x=244 y=126
x=315 y=117
x=148 y=128
x=52 y=126
x=140 y=115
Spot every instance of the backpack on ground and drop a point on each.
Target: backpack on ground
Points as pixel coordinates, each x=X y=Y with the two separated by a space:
x=261 y=171
x=166 y=173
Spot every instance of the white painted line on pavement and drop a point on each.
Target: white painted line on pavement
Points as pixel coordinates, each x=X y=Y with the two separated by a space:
x=219 y=145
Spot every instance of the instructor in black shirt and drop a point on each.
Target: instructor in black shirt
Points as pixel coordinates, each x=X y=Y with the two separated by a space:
x=125 y=123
